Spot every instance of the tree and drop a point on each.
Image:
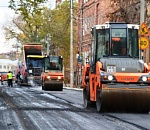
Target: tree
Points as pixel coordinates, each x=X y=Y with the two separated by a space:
x=59 y=29
x=36 y=22
x=128 y=11
x=30 y=13
x=125 y=11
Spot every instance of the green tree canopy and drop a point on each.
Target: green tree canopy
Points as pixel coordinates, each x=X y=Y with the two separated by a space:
x=30 y=12
x=37 y=22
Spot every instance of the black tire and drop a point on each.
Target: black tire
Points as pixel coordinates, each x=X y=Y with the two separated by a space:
x=98 y=100
x=61 y=89
x=86 y=96
x=143 y=111
x=42 y=87
x=146 y=111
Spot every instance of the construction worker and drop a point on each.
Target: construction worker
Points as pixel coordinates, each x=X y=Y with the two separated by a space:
x=1 y=78
x=26 y=75
x=30 y=65
x=18 y=77
x=9 y=78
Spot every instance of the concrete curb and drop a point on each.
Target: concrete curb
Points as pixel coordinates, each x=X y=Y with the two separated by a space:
x=79 y=89
x=67 y=86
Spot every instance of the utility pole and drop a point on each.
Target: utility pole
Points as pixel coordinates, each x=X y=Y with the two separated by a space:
x=71 y=45
x=142 y=19
x=81 y=40
x=142 y=11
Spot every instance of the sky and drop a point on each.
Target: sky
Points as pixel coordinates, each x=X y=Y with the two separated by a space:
x=6 y=15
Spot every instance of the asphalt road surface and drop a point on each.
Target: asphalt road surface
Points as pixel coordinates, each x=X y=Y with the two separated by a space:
x=31 y=108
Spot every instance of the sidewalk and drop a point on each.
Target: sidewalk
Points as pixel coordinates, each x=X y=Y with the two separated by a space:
x=75 y=87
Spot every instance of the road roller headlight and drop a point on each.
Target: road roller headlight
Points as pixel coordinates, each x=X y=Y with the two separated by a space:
x=59 y=77
x=30 y=71
x=144 y=78
x=110 y=77
x=107 y=77
x=48 y=77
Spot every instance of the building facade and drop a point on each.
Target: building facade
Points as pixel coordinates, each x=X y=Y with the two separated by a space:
x=10 y=55
x=92 y=12
x=8 y=65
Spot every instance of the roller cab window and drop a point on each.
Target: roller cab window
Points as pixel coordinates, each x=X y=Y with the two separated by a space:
x=53 y=63
x=118 y=42
x=133 y=42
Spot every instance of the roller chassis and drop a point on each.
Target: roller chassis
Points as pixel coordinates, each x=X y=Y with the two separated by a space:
x=133 y=95
x=117 y=78
x=52 y=76
x=52 y=85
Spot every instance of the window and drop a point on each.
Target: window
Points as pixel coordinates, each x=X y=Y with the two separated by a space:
x=4 y=66
x=119 y=42
x=103 y=43
x=34 y=62
x=12 y=67
x=53 y=63
x=133 y=43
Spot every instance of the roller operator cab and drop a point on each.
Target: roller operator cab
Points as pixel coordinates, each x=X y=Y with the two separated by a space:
x=115 y=78
x=53 y=77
